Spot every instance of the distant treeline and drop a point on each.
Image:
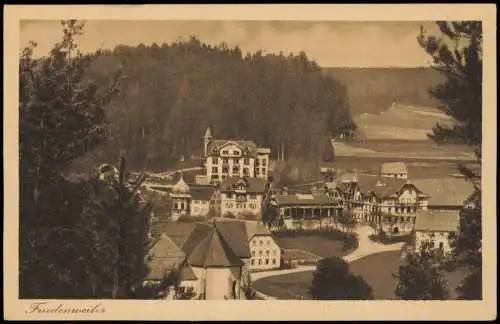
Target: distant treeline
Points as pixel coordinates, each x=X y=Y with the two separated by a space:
x=373 y=90
x=169 y=93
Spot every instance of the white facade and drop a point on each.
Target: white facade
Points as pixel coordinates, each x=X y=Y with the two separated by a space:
x=265 y=252
x=237 y=203
x=229 y=163
x=440 y=239
x=216 y=283
x=233 y=158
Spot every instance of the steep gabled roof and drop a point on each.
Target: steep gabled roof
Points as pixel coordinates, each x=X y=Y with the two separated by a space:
x=234 y=233
x=445 y=191
x=198 y=233
x=202 y=192
x=218 y=144
x=163 y=257
x=176 y=231
x=255 y=228
x=214 y=251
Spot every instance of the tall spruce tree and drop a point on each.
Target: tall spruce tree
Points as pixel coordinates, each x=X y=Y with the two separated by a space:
x=458 y=55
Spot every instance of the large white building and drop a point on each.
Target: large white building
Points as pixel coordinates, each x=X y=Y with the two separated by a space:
x=228 y=158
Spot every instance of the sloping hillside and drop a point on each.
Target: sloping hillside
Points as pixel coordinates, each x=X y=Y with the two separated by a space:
x=373 y=90
x=402 y=122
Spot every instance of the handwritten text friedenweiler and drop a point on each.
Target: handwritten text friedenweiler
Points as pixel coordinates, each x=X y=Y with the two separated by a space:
x=53 y=308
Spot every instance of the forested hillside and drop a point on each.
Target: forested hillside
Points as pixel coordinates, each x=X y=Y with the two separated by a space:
x=373 y=90
x=170 y=93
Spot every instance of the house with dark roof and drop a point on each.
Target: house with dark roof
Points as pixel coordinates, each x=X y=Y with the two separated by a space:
x=437 y=227
x=201 y=199
x=446 y=193
x=225 y=158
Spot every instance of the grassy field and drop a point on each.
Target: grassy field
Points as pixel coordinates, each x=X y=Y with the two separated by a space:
x=376 y=269
x=320 y=246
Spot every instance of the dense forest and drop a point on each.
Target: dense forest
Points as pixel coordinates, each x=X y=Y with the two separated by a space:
x=169 y=93
x=372 y=90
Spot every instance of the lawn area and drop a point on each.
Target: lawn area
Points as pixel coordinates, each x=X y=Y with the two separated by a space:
x=288 y=286
x=376 y=269
x=320 y=246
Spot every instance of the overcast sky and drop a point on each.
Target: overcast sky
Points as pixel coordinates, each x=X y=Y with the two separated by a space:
x=341 y=44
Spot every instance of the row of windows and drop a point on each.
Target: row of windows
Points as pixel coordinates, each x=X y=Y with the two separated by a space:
x=241 y=205
x=260 y=171
x=262 y=162
x=260 y=261
x=246 y=161
x=233 y=196
x=261 y=252
x=236 y=169
x=261 y=242
x=401 y=219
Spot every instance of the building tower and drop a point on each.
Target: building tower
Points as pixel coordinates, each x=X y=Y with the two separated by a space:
x=181 y=199
x=207 y=138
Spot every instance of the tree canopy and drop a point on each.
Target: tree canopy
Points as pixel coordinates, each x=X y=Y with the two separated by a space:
x=333 y=281
x=169 y=93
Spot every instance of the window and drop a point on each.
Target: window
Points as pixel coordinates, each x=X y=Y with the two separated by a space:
x=237 y=153
x=264 y=161
x=252 y=206
x=246 y=161
x=253 y=261
x=260 y=252
x=260 y=242
x=215 y=160
x=267 y=261
x=260 y=261
x=215 y=170
x=225 y=161
x=238 y=205
x=267 y=252
x=257 y=162
x=236 y=169
x=263 y=171
x=225 y=152
x=254 y=242
x=274 y=261
x=245 y=171
x=225 y=170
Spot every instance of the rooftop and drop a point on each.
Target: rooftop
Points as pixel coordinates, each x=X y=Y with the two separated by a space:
x=213 y=251
x=253 y=185
x=445 y=191
x=305 y=199
x=438 y=221
x=163 y=257
x=216 y=145
x=202 y=192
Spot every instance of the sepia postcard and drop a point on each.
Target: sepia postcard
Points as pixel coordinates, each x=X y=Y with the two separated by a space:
x=250 y=162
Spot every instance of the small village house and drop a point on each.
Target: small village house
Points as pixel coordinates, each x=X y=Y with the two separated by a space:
x=180 y=199
x=437 y=227
x=396 y=170
x=264 y=248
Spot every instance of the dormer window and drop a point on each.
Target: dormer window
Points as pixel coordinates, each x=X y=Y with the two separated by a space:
x=237 y=153
x=225 y=152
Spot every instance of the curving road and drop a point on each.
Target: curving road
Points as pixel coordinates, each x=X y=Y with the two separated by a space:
x=365 y=247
